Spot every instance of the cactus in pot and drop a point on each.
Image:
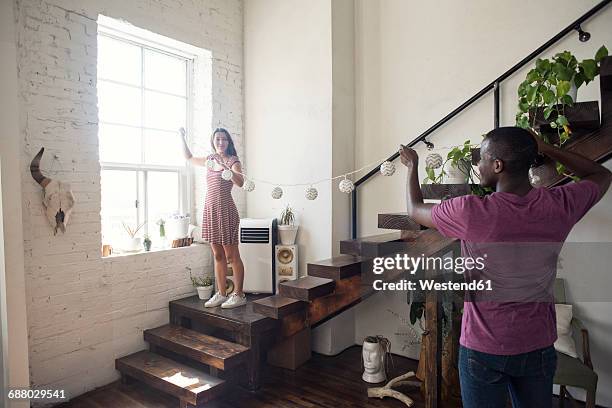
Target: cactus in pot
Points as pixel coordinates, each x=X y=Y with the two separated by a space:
x=287 y=231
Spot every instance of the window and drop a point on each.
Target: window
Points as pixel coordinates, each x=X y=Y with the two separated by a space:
x=143 y=99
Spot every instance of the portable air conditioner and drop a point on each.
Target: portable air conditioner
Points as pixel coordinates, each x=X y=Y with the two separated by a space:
x=257 y=242
x=286 y=263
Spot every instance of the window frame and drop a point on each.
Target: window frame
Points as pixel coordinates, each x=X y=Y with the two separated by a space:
x=185 y=177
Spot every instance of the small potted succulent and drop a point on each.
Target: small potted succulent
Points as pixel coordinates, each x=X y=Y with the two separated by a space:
x=147 y=242
x=287 y=231
x=203 y=284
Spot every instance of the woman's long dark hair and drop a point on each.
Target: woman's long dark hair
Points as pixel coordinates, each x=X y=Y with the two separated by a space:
x=231 y=149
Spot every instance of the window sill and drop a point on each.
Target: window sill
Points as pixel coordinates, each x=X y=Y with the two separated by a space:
x=142 y=252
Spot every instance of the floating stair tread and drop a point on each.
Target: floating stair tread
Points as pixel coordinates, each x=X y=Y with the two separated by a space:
x=338 y=267
x=376 y=245
x=307 y=288
x=397 y=221
x=238 y=318
x=582 y=115
x=209 y=350
x=278 y=306
x=445 y=191
x=186 y=383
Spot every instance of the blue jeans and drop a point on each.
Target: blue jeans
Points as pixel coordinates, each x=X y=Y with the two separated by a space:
x=486 y=379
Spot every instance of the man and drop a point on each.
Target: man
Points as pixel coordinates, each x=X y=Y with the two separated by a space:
x=507 y=342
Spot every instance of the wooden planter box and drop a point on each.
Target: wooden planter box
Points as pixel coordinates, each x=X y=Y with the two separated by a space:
x=583 y=118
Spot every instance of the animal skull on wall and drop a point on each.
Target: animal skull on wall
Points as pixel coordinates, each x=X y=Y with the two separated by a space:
x=58 y=199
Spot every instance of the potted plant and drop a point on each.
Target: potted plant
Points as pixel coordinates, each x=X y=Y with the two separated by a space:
x=552 y=86
x=162 y=232
x=203 y=284
x=458 y=169
x=287 y=231
x=133 y=243
x=147 y=242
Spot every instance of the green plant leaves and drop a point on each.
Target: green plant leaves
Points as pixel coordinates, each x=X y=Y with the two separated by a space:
x=549 y=97
x=590 y=69
x=563 y=72
x=562 y=121
x=416 y=311
x=563 y=88
x=601 y=53
x=531 y=93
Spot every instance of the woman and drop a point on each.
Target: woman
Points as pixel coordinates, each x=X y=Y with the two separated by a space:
x=221 y=219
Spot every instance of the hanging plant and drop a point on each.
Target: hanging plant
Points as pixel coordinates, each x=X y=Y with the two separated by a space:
x=547 y=88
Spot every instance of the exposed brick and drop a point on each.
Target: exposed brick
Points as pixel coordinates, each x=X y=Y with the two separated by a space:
x=84 y=311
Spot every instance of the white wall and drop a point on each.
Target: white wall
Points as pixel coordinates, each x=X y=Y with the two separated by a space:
x=418 y=61
x=288 y=114
x=84 y=311
x=585 y=266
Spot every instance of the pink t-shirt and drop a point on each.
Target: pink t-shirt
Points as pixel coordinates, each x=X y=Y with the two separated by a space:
x=520 y=239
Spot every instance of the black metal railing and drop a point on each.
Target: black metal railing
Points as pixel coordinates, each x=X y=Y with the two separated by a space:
x=494 y=85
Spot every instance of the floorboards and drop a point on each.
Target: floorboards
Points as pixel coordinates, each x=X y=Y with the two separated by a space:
x=331 y=382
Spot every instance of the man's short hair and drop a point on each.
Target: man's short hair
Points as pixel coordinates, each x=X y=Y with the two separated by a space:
x=514 y=146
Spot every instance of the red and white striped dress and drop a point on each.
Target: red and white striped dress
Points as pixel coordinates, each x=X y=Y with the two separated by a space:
x=221 y=219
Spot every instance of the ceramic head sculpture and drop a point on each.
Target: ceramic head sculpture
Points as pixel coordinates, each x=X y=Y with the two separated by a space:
x=374 y=353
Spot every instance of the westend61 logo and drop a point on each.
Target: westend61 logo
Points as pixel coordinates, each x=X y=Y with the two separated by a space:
x=412 y=264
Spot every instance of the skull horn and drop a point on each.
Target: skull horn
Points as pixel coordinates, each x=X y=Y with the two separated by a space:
x=35 y=170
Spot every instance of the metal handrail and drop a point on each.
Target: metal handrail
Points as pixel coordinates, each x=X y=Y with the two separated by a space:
x=494 y=85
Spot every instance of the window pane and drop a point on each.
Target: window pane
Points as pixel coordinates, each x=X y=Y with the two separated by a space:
x=119 y=194
x=119 y=104
x=119 y=144
x=163 y=148
x=165 y=111
x=165 y=73
x=119 y=61
x=163 y=195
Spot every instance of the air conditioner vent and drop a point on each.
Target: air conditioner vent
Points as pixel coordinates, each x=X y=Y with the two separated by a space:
x=255 y=235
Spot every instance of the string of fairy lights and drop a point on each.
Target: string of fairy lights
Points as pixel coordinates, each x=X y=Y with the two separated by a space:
x=346 y=185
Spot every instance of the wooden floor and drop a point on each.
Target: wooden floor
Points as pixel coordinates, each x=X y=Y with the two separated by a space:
x=333 y=382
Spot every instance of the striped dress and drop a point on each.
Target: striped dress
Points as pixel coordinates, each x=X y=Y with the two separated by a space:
x=220 y=221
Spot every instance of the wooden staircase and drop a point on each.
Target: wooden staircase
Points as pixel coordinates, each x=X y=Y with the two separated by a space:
x=200 y=352
x=591 y=137
x=203 y=349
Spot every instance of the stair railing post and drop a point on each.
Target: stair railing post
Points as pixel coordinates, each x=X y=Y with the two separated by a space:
x=496 y=105
x=354 y=213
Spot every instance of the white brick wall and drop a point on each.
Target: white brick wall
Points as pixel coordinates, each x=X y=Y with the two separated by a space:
x=84 y=311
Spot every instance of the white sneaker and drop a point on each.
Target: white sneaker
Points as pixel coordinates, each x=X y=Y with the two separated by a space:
x=216 y=300
x=234 y=300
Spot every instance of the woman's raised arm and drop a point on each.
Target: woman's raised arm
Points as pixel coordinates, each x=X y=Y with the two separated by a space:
x=197 y=161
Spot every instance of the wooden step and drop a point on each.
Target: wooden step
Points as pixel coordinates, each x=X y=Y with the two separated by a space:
x=237 y=320
x=445 y=191
x=397 y=221
x=377 y=245
x=191 y=386
x=208 y=350
x=278 y=306
x=581 y=116
x=338 y=267
x=306 y=288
